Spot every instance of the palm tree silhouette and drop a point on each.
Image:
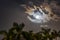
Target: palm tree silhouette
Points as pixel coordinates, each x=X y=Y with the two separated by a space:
x=16 y=33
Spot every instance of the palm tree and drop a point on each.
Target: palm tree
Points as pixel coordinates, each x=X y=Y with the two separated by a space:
x=25 y=35
x=38 y=36
x=43 y=34
x=55 y=34
x=13 y=33
x=17 y=29
x=5 y=35
x=32 y=35
x=28 y=35
x=46 y=33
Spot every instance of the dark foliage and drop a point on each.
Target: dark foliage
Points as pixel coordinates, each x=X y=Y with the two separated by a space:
x=16 y=33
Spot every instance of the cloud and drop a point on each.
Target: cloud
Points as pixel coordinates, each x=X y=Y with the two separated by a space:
x=45 y=8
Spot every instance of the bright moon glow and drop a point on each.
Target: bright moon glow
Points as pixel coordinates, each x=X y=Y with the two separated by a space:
x=39 y=16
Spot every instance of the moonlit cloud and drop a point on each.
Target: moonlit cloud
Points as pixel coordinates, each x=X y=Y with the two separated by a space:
x=36 y=12
x=48 y=14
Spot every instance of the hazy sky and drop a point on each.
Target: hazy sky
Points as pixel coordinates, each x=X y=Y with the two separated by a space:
x=10 y=12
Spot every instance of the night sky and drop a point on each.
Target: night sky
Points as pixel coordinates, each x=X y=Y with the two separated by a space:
x=11 y=11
